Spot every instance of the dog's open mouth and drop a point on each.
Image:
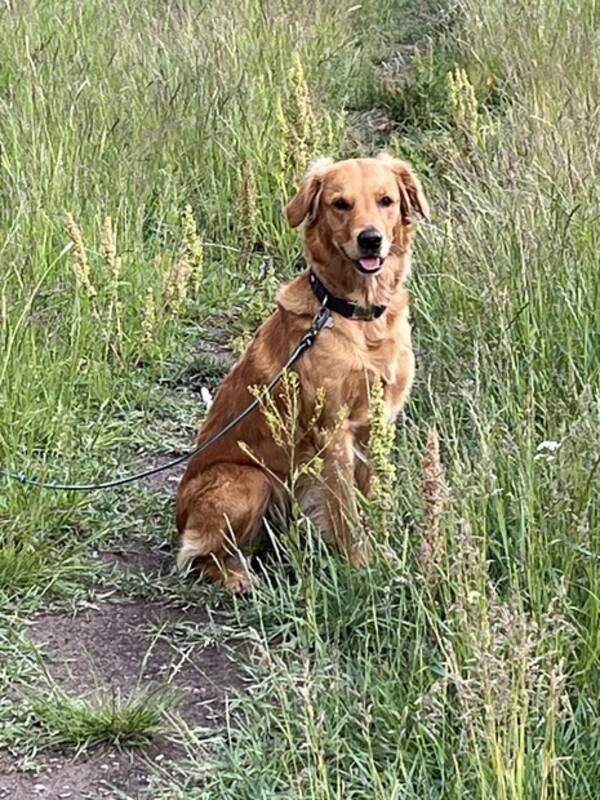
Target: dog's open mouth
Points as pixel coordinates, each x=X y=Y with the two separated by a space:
x=371 y=265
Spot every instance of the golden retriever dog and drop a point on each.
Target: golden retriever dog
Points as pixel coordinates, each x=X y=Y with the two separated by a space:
x=357 y=217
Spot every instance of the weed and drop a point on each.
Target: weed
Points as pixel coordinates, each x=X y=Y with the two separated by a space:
x=122 y=721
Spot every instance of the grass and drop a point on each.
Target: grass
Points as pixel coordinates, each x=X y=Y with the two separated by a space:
x=479 y=682
x=120 y=721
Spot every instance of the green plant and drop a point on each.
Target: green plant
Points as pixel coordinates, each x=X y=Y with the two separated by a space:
x=109 y=718
x=366 y=683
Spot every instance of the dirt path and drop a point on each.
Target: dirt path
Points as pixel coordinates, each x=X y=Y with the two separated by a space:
x=120 y=644
x=120 y=647
x=132 y=637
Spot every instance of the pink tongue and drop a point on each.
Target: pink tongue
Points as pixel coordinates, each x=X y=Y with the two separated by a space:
x=370 y=263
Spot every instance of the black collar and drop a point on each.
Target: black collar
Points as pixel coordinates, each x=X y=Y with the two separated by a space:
x=346 y=308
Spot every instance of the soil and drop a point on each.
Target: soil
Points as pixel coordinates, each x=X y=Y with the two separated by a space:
x=119 y=647
x=167 y=479
x=103 y=773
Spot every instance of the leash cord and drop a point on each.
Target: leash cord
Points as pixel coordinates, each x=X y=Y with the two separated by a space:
x=307 y=341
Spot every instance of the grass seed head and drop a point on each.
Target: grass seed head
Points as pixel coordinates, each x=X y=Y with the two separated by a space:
x=300 y=117
x=192 y=247
x=149 y=318
x=433 y=493
x=248 y=198
x=108 y=244
x=381 y=443
x=80 y=259
x=186 y=273
x=463 y=103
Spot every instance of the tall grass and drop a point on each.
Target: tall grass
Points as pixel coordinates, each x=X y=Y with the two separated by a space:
x=123 y=128
x=487 y=687
x=478 y=679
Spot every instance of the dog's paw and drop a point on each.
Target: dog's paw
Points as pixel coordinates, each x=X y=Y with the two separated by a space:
x=361 y=554
x=238 y=581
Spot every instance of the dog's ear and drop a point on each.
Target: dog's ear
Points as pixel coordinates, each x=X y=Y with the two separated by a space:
x=412 y=197
x=306 y=201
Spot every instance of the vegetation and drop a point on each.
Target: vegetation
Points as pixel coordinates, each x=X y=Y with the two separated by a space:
x=145 y=154
x=72 y=721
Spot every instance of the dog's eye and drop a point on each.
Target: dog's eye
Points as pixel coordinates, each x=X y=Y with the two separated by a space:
x=341 y=204
x=386 y=201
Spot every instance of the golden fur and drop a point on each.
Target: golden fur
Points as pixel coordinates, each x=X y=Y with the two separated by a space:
x=224 y=493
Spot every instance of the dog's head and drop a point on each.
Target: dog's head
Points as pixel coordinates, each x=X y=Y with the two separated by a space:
x=358 y=215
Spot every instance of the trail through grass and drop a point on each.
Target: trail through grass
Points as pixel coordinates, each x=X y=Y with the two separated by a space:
x=146 y=151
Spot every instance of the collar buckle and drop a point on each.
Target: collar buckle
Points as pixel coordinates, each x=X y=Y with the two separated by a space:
x=362 y=313
x=345 y=308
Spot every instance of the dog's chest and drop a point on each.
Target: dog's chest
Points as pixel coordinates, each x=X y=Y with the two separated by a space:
x=392 y=364
x=351 y=364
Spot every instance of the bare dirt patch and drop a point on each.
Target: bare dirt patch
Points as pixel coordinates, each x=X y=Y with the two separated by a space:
x=122 y=647
x=98 y=774
x=137 y=558
x=165 y=480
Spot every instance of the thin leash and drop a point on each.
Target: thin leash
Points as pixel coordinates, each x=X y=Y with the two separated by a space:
x=319 y=321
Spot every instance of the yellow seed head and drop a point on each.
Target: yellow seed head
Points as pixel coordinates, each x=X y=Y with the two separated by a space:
x=192 y=246
x=463 y=102
x=388 y=85
x=433 y=492
x=300 y=117
x=108 y=246
x=381 y=443
x=80 y=260
x=149 y=318
x=248 y=209
x=177 y=284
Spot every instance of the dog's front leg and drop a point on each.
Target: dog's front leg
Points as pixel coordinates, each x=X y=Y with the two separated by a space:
x=342 y=519
x=362 y=466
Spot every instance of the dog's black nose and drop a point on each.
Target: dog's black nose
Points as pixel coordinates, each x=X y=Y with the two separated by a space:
x=369 y=240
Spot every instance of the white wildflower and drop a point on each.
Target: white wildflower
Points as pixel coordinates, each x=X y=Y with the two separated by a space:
x=546 y=450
